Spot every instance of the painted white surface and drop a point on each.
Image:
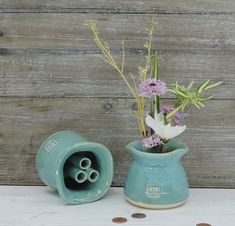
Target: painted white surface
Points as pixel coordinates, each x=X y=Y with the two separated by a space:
x=31 y=206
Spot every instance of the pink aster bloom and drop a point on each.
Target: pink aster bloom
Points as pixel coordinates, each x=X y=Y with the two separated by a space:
x=152 y=87
x=165 y=109
x=152 y=141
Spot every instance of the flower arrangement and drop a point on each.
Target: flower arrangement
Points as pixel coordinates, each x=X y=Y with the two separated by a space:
x=162 y=123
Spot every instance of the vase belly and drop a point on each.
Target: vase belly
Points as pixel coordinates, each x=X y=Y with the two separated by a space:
x=156 y=185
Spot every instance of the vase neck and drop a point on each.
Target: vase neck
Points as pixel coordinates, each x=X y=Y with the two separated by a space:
x=140 y=153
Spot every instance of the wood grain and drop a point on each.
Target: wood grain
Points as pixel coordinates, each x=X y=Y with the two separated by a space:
x=40 y=56
x=67 y=30
x=25 y=123
x=121 y=6
x=39 y=73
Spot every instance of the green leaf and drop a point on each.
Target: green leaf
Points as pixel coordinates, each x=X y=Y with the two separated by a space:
x=172 y=91
x=202 y=86
x=200 y=104
x=183 y=88
x=170 y=149
x=190 y=85
x=209 y=98
x=184 y=105
x=201 y=99
x=213 y=85
x=182 y=93
x=195 y=103
x=177 y=85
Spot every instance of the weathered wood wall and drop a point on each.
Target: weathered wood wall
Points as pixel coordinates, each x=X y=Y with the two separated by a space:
x=50 y=79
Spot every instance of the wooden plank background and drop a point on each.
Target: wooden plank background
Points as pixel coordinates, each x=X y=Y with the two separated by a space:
x=51 y=79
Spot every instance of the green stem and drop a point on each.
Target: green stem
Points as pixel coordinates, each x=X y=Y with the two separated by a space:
x=172 y=113
x=155 y=105
x=157 y=77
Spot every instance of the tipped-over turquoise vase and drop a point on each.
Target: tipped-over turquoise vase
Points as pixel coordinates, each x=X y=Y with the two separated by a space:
x=156 y=180
x=81 y=171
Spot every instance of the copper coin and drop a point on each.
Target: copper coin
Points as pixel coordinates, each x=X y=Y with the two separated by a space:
x=138 y=215
x=203 y=224
x=119 y=220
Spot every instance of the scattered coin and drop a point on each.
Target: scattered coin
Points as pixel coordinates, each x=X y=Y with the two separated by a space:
x=203 y=224
x=138 y=215
x=119 y=220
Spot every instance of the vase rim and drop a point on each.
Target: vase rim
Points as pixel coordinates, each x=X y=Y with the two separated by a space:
x=180 y=147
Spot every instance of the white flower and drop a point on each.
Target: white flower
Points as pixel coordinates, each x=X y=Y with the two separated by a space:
x=164 y=131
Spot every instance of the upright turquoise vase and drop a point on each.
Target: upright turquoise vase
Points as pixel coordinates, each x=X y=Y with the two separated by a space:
x=156 y=180
x=81 y=171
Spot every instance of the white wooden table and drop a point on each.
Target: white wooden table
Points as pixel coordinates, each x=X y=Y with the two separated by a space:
x=29 y=206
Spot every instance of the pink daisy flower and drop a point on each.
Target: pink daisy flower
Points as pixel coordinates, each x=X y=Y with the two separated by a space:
x=152 y=141
x=152 y=87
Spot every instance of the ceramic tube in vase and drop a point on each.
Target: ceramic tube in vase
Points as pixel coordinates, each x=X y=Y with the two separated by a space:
x=77 y=174
x=81 y=162
x=92 y=175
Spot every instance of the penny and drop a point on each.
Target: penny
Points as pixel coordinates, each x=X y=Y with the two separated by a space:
x=138 y=215
x=203 y=224
x=119 y=220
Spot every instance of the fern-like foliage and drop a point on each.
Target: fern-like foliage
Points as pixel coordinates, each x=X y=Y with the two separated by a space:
x=190 y=95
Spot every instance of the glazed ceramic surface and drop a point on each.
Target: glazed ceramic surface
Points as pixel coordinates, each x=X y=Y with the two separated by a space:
x=57 y=167
x=156 y=181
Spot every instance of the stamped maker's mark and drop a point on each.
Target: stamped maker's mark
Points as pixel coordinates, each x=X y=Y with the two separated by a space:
x=153 y=191
x=50 y=145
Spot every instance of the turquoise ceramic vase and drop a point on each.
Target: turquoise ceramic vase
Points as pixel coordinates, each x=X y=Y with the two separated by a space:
x=81 y=171
x=156 y=180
